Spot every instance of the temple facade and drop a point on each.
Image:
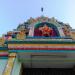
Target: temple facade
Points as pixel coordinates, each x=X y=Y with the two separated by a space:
x=37 y=43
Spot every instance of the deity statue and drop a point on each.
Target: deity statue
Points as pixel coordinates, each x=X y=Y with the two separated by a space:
x=46 y=31
x=21 y=35
x=66 y=31
x=2 y=41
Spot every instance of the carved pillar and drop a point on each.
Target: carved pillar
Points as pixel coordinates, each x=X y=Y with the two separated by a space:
x=10 y=64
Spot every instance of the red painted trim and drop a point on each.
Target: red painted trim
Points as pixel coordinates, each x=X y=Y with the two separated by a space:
x=41 y=48
x=3 y=54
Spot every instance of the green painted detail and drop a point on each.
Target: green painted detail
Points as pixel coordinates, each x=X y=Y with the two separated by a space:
x=3 y=48
x=6 y=57
x=40 y=42
x=47 y=60
x=42 y=51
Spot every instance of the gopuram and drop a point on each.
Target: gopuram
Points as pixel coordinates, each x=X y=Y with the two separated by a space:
x=40 y=42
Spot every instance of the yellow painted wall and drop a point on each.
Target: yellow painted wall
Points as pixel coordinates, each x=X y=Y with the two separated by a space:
x=17 y=45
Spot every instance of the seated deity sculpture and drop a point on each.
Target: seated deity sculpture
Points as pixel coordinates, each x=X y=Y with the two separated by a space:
x=44 y=31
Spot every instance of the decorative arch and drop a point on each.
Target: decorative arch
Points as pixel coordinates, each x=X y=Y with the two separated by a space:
x=50 y=30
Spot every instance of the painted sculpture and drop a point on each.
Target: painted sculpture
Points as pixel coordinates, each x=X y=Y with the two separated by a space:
x=38 y=37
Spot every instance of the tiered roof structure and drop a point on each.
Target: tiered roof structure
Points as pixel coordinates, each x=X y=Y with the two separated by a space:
x=41 y=30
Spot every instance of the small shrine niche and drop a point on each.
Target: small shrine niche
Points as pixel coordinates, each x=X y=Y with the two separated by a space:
x=46 y=30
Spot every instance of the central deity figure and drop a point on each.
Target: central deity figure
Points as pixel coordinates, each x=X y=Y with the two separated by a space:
x=46 y=31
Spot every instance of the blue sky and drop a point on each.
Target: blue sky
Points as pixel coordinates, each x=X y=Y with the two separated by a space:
x=13 y=12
